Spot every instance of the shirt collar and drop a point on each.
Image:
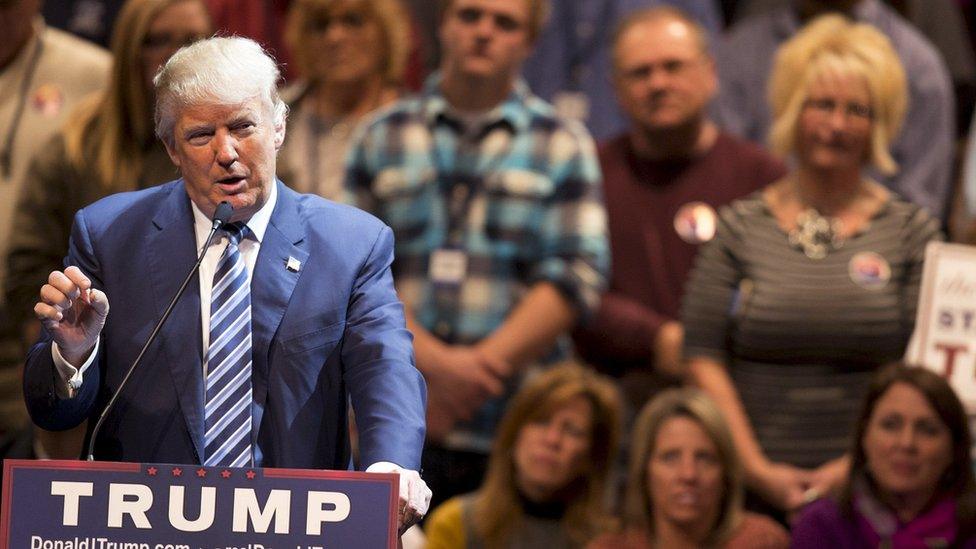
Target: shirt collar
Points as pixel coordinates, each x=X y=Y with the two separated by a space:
x=511 y=111
x=257 y=225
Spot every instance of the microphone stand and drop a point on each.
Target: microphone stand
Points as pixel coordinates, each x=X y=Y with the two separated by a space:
x=221 y=216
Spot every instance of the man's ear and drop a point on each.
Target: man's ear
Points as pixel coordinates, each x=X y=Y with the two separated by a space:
x=279 y=137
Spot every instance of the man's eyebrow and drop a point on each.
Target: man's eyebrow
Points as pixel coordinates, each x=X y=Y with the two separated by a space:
x=245 y=117
x=194 y=128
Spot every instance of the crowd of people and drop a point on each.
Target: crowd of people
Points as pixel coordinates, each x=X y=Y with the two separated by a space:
x=660 y=260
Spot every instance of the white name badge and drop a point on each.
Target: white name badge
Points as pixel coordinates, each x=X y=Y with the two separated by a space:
x=572 y=105
x=448 y=266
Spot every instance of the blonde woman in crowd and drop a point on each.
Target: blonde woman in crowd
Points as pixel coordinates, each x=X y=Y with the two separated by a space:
x=547 y=473
x=351 y=55
x=684 y=485
x=107 y=146
x=911 y=482
x=811 y=284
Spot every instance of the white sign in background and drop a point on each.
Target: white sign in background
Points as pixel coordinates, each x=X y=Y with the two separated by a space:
x=945 y=328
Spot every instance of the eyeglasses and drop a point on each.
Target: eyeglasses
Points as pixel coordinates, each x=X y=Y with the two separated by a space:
x=168 y=40
x=471 y=16
x=851 y=109
x=348 y=21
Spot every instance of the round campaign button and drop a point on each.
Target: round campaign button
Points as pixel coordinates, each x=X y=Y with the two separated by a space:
x=695 y=222
x=47 y=99
x=869 y=270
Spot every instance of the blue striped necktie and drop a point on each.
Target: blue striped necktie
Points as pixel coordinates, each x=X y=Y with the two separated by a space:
x=228 y=398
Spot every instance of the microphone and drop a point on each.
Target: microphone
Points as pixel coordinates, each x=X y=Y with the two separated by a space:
x=220 y=217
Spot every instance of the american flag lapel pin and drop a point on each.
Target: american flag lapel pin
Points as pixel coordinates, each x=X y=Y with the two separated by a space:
x=293 y=264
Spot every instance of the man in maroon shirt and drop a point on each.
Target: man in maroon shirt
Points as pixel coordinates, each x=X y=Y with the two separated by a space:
x=663 y=181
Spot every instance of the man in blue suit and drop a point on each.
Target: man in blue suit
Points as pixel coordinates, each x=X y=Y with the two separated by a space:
x=294 y=303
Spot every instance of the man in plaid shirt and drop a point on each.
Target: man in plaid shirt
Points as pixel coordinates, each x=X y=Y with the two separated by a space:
x=500 y=228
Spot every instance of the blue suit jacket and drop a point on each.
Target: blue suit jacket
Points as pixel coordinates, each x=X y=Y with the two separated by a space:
x=333 y=331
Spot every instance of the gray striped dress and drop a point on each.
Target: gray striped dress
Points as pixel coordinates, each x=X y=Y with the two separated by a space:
x=801 y=337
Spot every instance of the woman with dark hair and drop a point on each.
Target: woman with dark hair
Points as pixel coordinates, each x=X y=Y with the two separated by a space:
x=911 y=483
x=684 y=486
x=547 y=473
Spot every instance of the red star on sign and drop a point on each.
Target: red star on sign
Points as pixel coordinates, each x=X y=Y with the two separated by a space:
x=201 y=472
x=152 y=471
x=177 y=472
x=250 y=475
x=225 y=474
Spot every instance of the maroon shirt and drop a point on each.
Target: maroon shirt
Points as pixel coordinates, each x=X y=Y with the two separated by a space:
x=650 y=260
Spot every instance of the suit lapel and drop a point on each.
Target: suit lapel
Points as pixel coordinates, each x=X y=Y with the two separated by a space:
x=271 y=287
x=172 y=252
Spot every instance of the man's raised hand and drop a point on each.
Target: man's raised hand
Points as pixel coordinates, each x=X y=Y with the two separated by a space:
x=73 y=312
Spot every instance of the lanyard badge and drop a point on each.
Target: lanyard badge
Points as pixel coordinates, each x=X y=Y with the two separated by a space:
x=449 y=263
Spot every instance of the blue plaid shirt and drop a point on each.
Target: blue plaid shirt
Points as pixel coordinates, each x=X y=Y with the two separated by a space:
x=521 y=198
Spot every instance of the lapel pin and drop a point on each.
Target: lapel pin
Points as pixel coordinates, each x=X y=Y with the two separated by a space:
x=293 y=264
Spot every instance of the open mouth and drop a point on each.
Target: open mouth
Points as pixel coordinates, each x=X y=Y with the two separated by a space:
x=231 y=183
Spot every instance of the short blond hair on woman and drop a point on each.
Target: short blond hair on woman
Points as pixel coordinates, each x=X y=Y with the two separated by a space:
x=695 y=405
x=832 y=45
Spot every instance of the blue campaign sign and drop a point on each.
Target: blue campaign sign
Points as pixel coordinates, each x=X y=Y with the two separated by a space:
x=105 y=505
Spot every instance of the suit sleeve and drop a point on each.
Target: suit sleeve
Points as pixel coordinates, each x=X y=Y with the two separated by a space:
x=46 y=409
x=388 y=393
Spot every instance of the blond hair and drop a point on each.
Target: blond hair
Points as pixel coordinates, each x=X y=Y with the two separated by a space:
x=111 y=130
x=393 y=21
x=695 y=405
x=832 y=45
x=497 y=507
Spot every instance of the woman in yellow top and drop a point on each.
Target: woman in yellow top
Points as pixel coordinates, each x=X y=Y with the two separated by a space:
x=547 y=473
